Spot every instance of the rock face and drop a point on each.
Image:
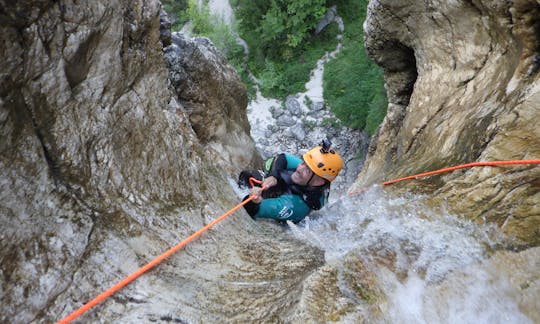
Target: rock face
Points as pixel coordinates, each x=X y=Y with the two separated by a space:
x=215 y=98
x=101 y=170
x=463 y=85
x=107 y=159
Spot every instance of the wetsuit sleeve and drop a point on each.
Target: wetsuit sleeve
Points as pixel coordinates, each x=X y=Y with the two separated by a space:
x=251 y=207
x=280 y=163
x=284 y=162
x=285 y=207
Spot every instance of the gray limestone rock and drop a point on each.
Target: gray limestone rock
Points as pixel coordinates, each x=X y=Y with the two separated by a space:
x=293 y=106
x=103 y=168
x=460 y=90
x=108 y=157
x=215 y=100
x=285 y=121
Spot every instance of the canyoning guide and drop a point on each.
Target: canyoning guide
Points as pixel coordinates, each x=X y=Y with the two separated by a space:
x=293 y=186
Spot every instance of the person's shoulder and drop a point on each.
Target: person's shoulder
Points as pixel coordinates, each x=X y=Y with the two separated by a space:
x=292 y=160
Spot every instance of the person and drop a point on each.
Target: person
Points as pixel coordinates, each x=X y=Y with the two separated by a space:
x=293 y=186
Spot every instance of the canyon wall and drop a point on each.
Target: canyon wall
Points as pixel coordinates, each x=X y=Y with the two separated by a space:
x=105 y=164
x=108 y=157
x=463 y=85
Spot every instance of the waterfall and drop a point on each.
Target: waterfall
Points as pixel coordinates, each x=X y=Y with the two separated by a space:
x=425 y=260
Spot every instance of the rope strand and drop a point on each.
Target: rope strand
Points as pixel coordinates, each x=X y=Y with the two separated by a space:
x=101 y=297
x=124 y=282
x=462 y=166
x=449 y=169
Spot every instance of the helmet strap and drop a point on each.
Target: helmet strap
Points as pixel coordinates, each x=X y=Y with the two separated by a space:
x=311 y=178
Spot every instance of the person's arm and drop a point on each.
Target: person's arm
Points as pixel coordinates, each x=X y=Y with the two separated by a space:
x=285 y=207
x=279 y=164
x=284 y=162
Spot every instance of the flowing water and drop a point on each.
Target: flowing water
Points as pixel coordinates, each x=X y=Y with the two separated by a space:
x=428 y=263
x=424 y=260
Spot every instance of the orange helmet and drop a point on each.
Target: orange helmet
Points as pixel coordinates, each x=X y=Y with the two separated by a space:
x=323 y=161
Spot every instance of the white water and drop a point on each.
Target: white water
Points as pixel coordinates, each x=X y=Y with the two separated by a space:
x=434 y=278
x=221 y=9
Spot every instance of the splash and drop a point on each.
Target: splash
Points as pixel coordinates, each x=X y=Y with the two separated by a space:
x=425 y=260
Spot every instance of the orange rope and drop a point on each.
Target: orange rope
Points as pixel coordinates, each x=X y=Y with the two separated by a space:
x=101 y=297
x=462 y=166
x=254 y=181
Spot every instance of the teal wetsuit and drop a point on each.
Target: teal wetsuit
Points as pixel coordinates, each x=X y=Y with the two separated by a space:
x=286 y=200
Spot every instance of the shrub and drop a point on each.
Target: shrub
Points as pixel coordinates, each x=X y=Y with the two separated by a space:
x=353 y=85
x=283 y=52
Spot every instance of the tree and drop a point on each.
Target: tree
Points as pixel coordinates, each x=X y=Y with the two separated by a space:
x=278 y=27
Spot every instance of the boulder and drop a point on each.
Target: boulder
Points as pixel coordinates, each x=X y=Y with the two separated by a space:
x=215 y=100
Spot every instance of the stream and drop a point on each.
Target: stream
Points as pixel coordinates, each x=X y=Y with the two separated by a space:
x=425 y=261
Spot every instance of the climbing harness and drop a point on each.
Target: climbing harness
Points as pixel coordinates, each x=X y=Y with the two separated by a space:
x=101 y=297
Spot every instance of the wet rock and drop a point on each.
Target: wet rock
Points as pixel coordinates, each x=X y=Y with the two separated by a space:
x=293 y=106
x=515 y=274
x=344 y=291
x=277 y=112
x=215 y=100
x=268 y=132
x=104 y=167
x=296 y=132
x=164 y=28
x=456 y=74
x=285 y=121
x=317 y=106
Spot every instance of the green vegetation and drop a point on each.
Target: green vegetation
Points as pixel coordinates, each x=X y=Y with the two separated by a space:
x=203 y=24
x=332 y=122
x=176 y=9
x=278 y=27
x=223 y=37
x=353 y=85
x=284 y=50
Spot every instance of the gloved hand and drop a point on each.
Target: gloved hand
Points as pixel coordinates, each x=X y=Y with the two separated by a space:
x=269 y=182
x=256 y=192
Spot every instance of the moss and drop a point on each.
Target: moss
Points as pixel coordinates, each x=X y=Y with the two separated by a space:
x=121 y=222
x=362 y=281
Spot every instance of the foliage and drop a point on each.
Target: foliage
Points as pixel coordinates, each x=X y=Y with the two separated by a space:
x=176 y=9
x=332 y=122
x=377 y=109
x=353 y=85
x=278 y=33
x=284 y=50
x=275 y=29
x=203 y=23
x=307 y=101
x=290 y=76
x=223 y=36
x=200 y=18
